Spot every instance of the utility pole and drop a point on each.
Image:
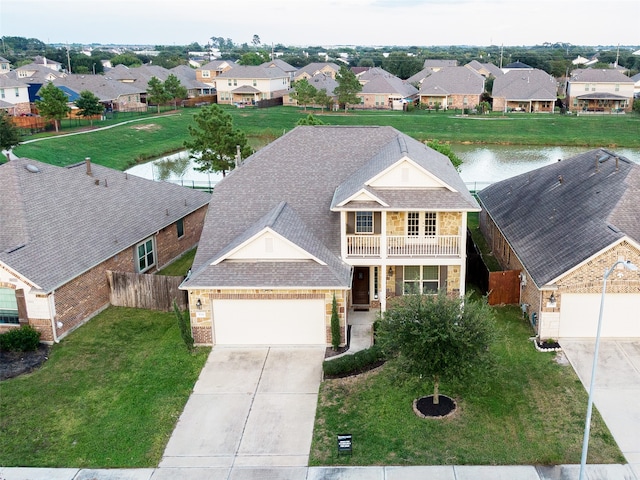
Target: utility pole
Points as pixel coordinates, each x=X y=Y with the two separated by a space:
x=68 y=59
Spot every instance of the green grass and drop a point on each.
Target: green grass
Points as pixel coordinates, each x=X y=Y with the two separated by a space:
x=181 y=265
x=474 y=227
x=123 y=146
x=529 y=411
x=109 y=395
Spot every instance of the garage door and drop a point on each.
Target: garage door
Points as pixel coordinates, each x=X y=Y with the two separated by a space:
x=269 y=322
x=579 y=315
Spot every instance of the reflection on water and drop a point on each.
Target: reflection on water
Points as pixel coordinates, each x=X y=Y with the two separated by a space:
x=176 y=168
x=486 y=164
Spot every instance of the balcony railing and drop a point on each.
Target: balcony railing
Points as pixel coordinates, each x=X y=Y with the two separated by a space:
x=403 y=246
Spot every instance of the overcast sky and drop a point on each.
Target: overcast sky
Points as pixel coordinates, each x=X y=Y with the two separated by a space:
x=325 y=22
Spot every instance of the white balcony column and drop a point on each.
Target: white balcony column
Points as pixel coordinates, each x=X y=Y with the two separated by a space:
x=462 y=248
x=383 y=236
x=384 y=268
x=343 y=234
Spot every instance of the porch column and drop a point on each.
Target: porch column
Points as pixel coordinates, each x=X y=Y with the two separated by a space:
x=463 y=254
x=343 y=234
x=382 y=273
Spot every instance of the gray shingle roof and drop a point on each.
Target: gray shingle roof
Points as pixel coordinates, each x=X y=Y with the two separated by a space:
x=315 y=67
x=105 y=88
x=453 y=80
x=302 y=169
x=525 y=85
x=252 y=71
x=599 y=75
x=61 y=223
x=377 y=80
x=554 y=225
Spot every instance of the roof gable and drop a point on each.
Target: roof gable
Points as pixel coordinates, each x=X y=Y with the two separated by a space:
x=405 y=173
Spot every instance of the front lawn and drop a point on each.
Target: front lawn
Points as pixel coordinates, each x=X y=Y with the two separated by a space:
x=529 y=411
x=109 y=395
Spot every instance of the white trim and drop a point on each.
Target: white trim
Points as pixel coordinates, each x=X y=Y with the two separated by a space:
x=154 y=251
x=416 y=165
x=363 y=191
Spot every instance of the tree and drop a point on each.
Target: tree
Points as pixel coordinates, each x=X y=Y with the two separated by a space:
x=256 y=40
x=348 y=87
x=335 y=324
x=401 y=65
x=156 y=92
x=127 y=59
x=53 y=104
x=636 y=106
x=310 y=120
x=254 y=58
x=445 y=149
x=9 y=136
x=304 y=92
x=324 y=100
x=174 y=89
x=214 y=141
x=89 y=105
x=436 y=336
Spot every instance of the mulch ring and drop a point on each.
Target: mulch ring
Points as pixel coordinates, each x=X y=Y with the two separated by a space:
x=13 y=364
x=425 y=408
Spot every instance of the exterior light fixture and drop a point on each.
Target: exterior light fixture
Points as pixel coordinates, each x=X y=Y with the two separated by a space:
x=198 y=304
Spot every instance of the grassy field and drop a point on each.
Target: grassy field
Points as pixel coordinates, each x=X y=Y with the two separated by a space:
x=124 y=146
x=529 y=411
x=181 y=265
x=109 y=395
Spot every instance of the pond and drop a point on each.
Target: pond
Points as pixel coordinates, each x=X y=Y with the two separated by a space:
x=483 y=164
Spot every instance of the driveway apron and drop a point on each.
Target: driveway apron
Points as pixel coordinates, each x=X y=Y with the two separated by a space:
x=250 y=408
x=617 y=387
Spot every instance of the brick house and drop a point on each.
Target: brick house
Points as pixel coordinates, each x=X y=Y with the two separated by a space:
x=452 y=87
x=524 y=90
x=362 y=213
x=599 y=90
x=563 y=225
x=64 y=227
x=383 y=90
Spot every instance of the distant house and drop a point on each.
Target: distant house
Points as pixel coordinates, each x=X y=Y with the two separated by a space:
x=485 y=69
x=327 y=68
x=114 y=95
x=437 y=64
x=64 y=227
x=5 y=65
x=188 y=79
x=599 y=90
x=516 y=66
x=320 y=82
x=209 y=71
x=14 y=96
x=525 y=90
x=636 y=85
x=246 y=85
x=383 y=90
x=282 y=65
x=453 y=87
x=48 y=63
x=35 y=76
x=562 y=226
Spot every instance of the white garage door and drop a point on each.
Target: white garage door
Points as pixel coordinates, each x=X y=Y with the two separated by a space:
x=269 y=322
x=579 y=315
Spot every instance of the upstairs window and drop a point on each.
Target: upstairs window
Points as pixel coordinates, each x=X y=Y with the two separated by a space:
x=422 y=224
x=364 y=222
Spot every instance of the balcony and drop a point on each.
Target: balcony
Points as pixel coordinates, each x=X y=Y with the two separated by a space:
x=403 y=246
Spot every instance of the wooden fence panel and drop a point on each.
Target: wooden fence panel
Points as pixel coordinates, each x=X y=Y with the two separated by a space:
x=139 y=290
x=504 y=287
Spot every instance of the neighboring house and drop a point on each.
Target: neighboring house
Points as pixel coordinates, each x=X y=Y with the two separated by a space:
x=436 y=64
x=524 y=90
x=485 y=69
x=320 y=82
x=327 y=68
x=63 y=228
x=114 y=95
x=35 y=76
x=282 y=65
x=383 y=90
x=14 y=96
x=453 y=87
x=516 y=66
x=249 y=84
x=636 y=85
x=563 y=226
x=48 y=63
x=188 y=79
x=379 y=214
x=209 y=71
x=599 y=90
x=5 y=66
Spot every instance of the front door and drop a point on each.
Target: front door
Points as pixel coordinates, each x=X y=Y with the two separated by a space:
x=361 y=286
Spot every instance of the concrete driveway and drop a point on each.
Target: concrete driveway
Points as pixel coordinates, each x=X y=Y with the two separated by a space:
x=251 y=407
x=617 y=387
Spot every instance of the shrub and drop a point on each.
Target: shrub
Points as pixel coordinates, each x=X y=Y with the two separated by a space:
x=335 y=324
x=23 y=339
x=185 y=326
x=353 y=364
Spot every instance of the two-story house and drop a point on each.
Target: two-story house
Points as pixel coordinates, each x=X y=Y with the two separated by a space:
x=14 y=95
x=209 y=71
x=599 y=90
x=248 y=84
x=362 y=214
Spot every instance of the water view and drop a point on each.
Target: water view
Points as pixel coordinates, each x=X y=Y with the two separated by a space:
x=483 y=164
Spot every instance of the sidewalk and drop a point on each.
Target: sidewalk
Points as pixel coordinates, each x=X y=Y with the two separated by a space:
x=560 y=472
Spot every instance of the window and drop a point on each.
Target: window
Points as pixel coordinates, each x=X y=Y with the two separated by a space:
x=617 y=87
x=146 y=256
x=180 y=227
x=421 y=279
x=1 y=92
x=364 y=222
x=206 y=74
x=8 y=306
x=229 y=82
x=422 y=224
x=255 y=82
x=17 y=91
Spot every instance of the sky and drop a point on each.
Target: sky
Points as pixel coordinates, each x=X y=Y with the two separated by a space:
x=325 y=22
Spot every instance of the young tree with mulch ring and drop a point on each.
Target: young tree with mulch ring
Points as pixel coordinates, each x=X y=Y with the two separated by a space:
x=438 y=336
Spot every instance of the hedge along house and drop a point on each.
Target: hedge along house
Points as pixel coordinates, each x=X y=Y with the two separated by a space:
x=563 y=225
x=362 y=213
x=64 y=227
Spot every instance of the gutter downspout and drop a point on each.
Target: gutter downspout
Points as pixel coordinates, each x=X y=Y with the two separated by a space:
x=52 y=314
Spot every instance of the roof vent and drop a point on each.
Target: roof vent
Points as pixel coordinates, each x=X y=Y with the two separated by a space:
x=32 y=168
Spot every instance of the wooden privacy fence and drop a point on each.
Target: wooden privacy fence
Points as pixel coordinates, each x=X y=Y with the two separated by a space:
x=504 y=287
x=139 y=290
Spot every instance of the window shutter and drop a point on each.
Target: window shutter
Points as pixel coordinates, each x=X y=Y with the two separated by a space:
x=22 y=307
